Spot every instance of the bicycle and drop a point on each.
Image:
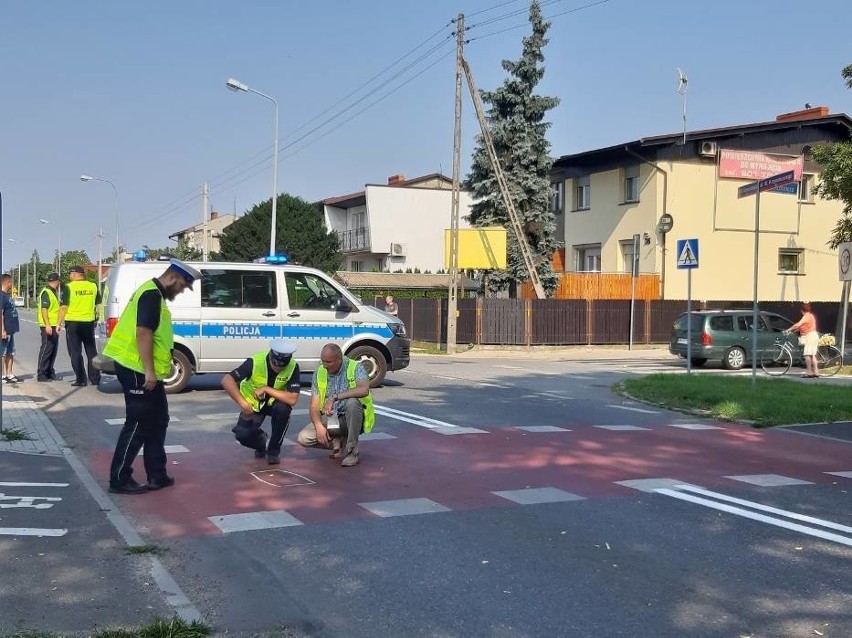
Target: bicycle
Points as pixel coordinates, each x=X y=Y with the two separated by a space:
x=777 y=359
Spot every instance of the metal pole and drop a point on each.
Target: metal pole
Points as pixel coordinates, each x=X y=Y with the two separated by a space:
x=274 y=182
x=754 y=313
x=634 y=271
x=689 y=321
x=204 y=205
x=844 y=315
x=452 y=300
x=100 y=263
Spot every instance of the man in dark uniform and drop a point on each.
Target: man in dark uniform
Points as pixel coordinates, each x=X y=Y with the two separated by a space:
x=49 y=327
x=79 y=309
x=265 y=384
x=141 y=345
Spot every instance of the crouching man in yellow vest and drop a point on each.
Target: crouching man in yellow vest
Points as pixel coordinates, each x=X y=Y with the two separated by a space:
x=267 y=383
x=340 y=392
x=141 y=345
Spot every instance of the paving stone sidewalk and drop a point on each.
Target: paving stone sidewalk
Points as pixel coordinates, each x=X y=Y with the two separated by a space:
x=20 y=412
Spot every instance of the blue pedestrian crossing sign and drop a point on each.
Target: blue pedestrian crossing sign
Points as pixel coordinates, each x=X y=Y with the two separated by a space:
x=687 y=253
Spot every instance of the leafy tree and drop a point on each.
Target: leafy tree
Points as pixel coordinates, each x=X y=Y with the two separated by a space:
x=516 y=120
x=836 y=178
x=300 y=233
x=184 y=250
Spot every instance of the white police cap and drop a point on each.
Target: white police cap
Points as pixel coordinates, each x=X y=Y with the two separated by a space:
x=184 y=270
x=283 y=347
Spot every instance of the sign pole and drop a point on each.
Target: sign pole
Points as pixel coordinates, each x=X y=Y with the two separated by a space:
x=634 y=267
x=689 y=321
x=844 y=314
x=756 y=269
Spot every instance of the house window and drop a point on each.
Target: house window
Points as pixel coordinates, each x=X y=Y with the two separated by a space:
x=806 y=189
x=356 y=266
x=791 y=261
x=582 y=193
x=627 y=256
x=588 y=258
x=631 y=184
x=557 y=191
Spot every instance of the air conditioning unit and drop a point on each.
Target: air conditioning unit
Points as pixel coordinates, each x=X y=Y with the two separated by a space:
x=707 y=149
x=398 y=250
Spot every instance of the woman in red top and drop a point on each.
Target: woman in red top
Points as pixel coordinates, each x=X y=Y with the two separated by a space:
x=808 y=338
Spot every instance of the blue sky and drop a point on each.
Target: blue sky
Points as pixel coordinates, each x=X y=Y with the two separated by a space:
x=135 y=93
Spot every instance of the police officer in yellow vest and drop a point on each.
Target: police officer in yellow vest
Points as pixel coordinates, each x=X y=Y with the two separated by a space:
x=340 y=392
x=48 y=325
x=141 y=345
x=79 y=310
x=267 y=383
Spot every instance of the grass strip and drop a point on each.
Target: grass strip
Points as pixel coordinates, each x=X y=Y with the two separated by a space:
x=768 y=402
x=160 y=628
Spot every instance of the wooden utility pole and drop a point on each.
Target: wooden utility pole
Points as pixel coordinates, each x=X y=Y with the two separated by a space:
x=504 y=188
x=452 y=304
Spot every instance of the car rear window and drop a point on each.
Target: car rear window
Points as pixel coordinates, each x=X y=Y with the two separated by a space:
x=697 y=322
x=724 y=323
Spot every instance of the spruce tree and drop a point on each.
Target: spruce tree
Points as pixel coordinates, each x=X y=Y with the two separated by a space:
x=516 y=118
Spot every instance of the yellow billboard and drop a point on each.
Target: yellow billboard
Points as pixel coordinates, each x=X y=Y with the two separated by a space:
x=480 y=248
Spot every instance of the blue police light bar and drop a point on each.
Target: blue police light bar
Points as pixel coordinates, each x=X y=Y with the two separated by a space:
x=276 y=259
x=140 y=255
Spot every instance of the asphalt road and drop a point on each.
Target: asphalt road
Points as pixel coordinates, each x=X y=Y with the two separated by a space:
x=498 y=496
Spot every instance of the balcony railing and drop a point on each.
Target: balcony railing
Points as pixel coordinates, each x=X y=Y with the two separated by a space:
x=354 y=240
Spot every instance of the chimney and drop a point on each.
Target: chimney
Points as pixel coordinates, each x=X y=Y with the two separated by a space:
x=213 y=215
x=394 y=180
x=811 y=113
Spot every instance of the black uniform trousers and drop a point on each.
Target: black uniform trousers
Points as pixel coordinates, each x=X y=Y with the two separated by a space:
x=249 y=433
x=47 y=353
x=144 y=429
x=79 y=335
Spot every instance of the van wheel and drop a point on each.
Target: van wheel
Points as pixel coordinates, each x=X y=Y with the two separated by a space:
x=373 y=361
x=180 y=375
x=734 y=358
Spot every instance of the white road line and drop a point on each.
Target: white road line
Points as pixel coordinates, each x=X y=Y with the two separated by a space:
x=11 y=484
x=407 y=417
x=31 y=531
x=120 y=421
x=837 y=538
x=510 y=367
x=766 y=508
x=554 y=395
x=438 y=376
x=625 y=407
x=580 y=376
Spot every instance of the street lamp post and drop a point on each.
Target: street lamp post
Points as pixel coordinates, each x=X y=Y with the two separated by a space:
x=236 y=85
x=89 y=178
x=59 y=249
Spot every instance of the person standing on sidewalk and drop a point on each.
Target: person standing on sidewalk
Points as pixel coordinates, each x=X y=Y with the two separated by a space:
x=141 y=346
x=267 y=383
x=48 y=323
x=390 y=306
x=80 y=311
x=808 y=339
x=341 y=388
x=9 y=325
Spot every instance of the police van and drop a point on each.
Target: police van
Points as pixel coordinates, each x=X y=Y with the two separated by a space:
x=237 y=308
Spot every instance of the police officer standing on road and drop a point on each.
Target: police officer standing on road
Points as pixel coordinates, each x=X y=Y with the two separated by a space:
x=141 y=345
x=79 y=309
x=268 y=385
x=48 y=323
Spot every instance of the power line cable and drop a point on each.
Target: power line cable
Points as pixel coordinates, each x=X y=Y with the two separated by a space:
x=550 y=17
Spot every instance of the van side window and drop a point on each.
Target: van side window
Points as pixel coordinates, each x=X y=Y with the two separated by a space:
x=238 y=289
x=778 y=323
x=724 y=323
x=309 y=292
x=744 y=322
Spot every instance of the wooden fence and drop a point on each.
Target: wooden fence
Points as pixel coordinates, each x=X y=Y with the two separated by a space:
x=598 y=285
x=572 y=321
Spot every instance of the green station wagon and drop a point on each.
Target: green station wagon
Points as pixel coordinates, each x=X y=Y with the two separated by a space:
x=725 y=336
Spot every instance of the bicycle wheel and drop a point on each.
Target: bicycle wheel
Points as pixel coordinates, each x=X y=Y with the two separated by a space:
x=829 y=360
x=776 y=360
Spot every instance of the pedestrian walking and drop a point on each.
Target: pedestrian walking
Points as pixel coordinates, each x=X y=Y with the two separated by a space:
x=79 y=309
x=265 y=384
x=9 y=325
x=141 y=345
x=341 y=406
x=48 y=325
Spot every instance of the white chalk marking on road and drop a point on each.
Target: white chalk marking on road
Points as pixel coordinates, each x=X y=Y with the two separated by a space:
x=694 y=426
x=12 y=484
x=31 y=531
x=768 y=480
x=843 y=474
x=777 y=522
x=263 y=475
x=404 y=507
x=250 y=521
x=621 y=428
x=766 y=508
x=170 y=449
x=627 y=407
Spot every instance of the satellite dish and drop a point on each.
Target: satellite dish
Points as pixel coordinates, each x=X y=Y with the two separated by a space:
x=682 y=81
